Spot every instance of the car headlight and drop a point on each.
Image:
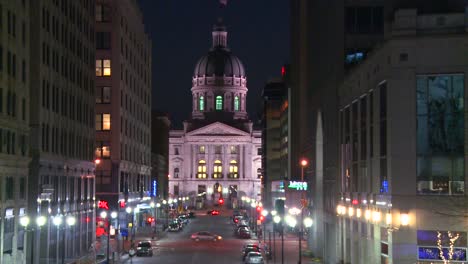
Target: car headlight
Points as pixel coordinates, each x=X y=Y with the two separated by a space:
x=138 y=248
x=219 y=237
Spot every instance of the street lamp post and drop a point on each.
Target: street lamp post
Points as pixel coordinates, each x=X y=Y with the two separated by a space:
x=70 y=221
x=264 y=214
x=40 y=221
x=304 y=163
x=277 y=219
x=292 y=223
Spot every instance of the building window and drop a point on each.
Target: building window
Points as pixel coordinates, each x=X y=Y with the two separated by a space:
x=217 y=149
x=201 y=149
x=218 y=170
x=176 y=172
x=259 y=173
x=201 y=172
x=9 y=188
x=201 y=103
x=103 y=122
x=103 y=67
x=233 y=149
x=103 y=95
x=233 y=170
x=176 y=190
x=440 y=134
x=102 y=149
x=103 y=40
x=176 y=151
x=103 y=13
x=219 y=102
x=236 y=103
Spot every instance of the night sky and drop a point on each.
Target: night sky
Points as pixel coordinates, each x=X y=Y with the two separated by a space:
x=258 y=33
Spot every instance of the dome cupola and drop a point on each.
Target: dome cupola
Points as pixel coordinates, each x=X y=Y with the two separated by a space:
x=219 y=82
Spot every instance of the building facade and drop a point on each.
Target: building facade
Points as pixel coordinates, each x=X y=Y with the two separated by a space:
x=61 y=177
x=328 y=40
x=218 y=153
x=402 y=145
x=160 y=126
x=123 y=113
x=14 y=127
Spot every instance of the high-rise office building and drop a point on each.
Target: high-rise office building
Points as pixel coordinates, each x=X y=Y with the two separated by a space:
x=14 y=127
x=331 y=40
x=123 y=113
x=61 y=176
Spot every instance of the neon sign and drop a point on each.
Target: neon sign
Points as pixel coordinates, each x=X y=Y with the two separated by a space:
x=103 y=205
x=299 y=186
x=155 y=188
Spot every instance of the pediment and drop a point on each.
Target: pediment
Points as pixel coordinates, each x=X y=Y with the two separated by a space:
x=217 y=129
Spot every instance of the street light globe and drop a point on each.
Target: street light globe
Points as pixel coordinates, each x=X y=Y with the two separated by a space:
x=304 y=162
x=71 y=220
x=308 y=222
x=152 y=204
x=57 y=220
x=276 y=219
x=291 y=221
x=41 y=220
x=164 y=202
x=114 y=215
x=158 y=205
x=24 y=221
x=265 y=213
x=170 y=201
x=128 y=210
x=247 y=199
x=137 y=210
x=103 y=214
x=273 y=213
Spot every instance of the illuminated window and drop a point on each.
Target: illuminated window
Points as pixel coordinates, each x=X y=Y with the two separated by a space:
x=103 y=122
x=201 y=172
x=102 y=149
x=236 y=103
x=233 y=170
x=201 y=103
x=201 y=149
x=103 y=67
x=218 y=169
x=219 y=102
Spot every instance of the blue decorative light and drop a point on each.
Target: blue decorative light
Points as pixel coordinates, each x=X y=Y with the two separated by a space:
x=384 y=187
x=155 y=188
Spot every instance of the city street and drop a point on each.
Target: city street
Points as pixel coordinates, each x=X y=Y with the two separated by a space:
x=177 y=247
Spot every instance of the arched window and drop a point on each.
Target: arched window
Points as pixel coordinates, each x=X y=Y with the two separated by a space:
x=217 y=170
x=201 y=103
x=176 y=172
x=236 y=103
x=201 y=172
x=219 y=102
x=233 y=170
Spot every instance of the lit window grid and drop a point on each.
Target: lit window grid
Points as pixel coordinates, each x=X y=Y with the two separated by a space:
x=201 y=103
x=103 y=67
x=236 y=103
x=202 y=149
x=219 y=102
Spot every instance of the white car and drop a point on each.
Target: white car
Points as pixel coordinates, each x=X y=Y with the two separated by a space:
x=204 y=235
x=254 y=257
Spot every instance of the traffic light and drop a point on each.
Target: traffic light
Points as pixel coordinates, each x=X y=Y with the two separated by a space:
x=150 y=220
x=261 y=218
x=221 y=201
x=259 y=209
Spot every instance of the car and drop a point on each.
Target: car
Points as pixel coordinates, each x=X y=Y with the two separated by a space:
x=250 y=245
x=144 y=248
x=254 y=257
x=191 y=215
x=209 y=212
x=174 y=227
x=244 y=233
x=247 y=250
x=205 y=235
x=215 y=212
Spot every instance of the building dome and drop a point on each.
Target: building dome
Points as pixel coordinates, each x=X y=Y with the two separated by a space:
x=219 y=62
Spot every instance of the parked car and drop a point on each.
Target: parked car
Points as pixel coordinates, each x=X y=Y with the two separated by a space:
x=244 y=233
x=174 y=227
x=204 y=235
x=144 y=248
x=250 y=245
x=247 y=250
x=254 y=257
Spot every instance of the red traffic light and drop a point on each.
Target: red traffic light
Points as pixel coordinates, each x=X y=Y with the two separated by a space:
x=261 y=218
x=259 y=208
x=122 y=204
x=150 y=219
x=221 y=201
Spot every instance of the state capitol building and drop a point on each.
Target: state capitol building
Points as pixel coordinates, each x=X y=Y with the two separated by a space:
x=218 y=153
